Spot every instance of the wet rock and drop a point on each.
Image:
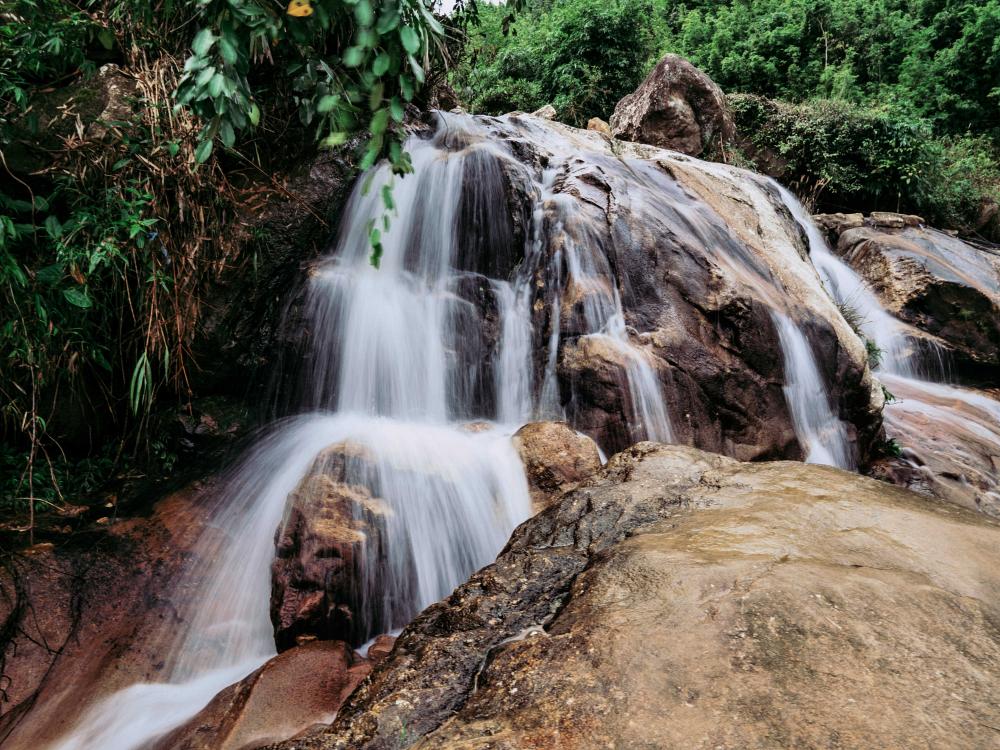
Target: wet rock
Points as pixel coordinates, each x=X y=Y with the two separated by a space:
x=556 y=459
x=836 y=224
x=331 y=530
x=381 y=648
x=292 y=692
x=682 y=587
x=84 y=618
x=677 y=107
x=949 y=443
x=937 y=283
x=548 y=112
x=596 y=123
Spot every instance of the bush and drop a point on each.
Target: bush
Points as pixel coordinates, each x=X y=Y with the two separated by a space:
x=581 y=56
x=837 y=155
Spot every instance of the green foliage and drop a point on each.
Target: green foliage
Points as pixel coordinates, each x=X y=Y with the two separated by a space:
x=934 y=60
x=581 y=56
x=105 y=245
x=870 y=159
x=352 y=65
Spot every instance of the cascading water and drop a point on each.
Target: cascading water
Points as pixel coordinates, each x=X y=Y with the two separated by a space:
x=404 y=358
x=392 y=360
x=968 y=418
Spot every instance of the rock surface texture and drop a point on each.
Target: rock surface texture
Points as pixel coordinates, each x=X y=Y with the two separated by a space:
x=292 y=692
x=677 y=107
x=684 y=600
x=699 y=256
x=556 y=459
x=937 y=283
x=332 y=528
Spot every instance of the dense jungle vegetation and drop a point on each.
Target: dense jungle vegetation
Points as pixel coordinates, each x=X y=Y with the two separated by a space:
x=890 y=104
x=111 y=228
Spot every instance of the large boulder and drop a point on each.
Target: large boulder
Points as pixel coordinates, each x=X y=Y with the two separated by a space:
x=677 y=107
x=685 y=600
x=291 y=693
x=331 y=530
x=556 y=459
x=947 y=288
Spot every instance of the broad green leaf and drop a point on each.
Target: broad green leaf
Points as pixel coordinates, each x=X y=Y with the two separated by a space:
x=381 y=64
x=387 y=22
x=227 y=134
x=396 y=109
x=335 y=139
x=106 y=38
x=380 y=120
x=203 y=42
x=254 y=114
x=215 y=85
x=327 y=103
x=353 y=56
x=417 y=68
x=228 y=51
x=203 y=151
x=363 y=13
x=120 y=164
x=78 y=297
x=406 y=87
x=410 y=40
x=53 y=227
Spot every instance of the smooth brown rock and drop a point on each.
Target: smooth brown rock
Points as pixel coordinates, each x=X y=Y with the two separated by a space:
x=677 y=107
x=556 y=459
x=381 y=648
x=689 y=601
x=292 y=692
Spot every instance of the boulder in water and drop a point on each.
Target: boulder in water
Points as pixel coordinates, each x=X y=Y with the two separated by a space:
x=687 y=600
x=556 y=459
x=677 y=107
x=935 y=282
x=331 y=529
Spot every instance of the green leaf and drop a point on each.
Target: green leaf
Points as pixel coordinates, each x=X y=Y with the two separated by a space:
x=387 y=198
x=53 y=227
x=254 y=114
x=335 y=139
x=216 y=84
x=387 y=22
x=203 y=151
x=417 y=68
x=228 y=51
x=173 y=148
x=363 y=13
x=106 y=38
x=50 y=274
x=375 y=96
x=406 y=87
x=203 y=42
x=410 y=40
x=120 y=164
x=78 y=297
x=205 y=76
x=396 y=109
x=227 y=134
x=381 y=64
x=380 y=120
x=327 y=103
x=353 y=56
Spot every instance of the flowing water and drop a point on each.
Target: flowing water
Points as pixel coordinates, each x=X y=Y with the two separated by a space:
x=402 y=362
x=948 y=433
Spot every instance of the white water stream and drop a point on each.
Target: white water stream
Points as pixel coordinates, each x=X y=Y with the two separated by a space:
x=398 y=368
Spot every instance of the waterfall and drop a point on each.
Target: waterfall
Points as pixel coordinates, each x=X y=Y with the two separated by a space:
x=395 y=365
x=821 y=432
x=965 y=415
